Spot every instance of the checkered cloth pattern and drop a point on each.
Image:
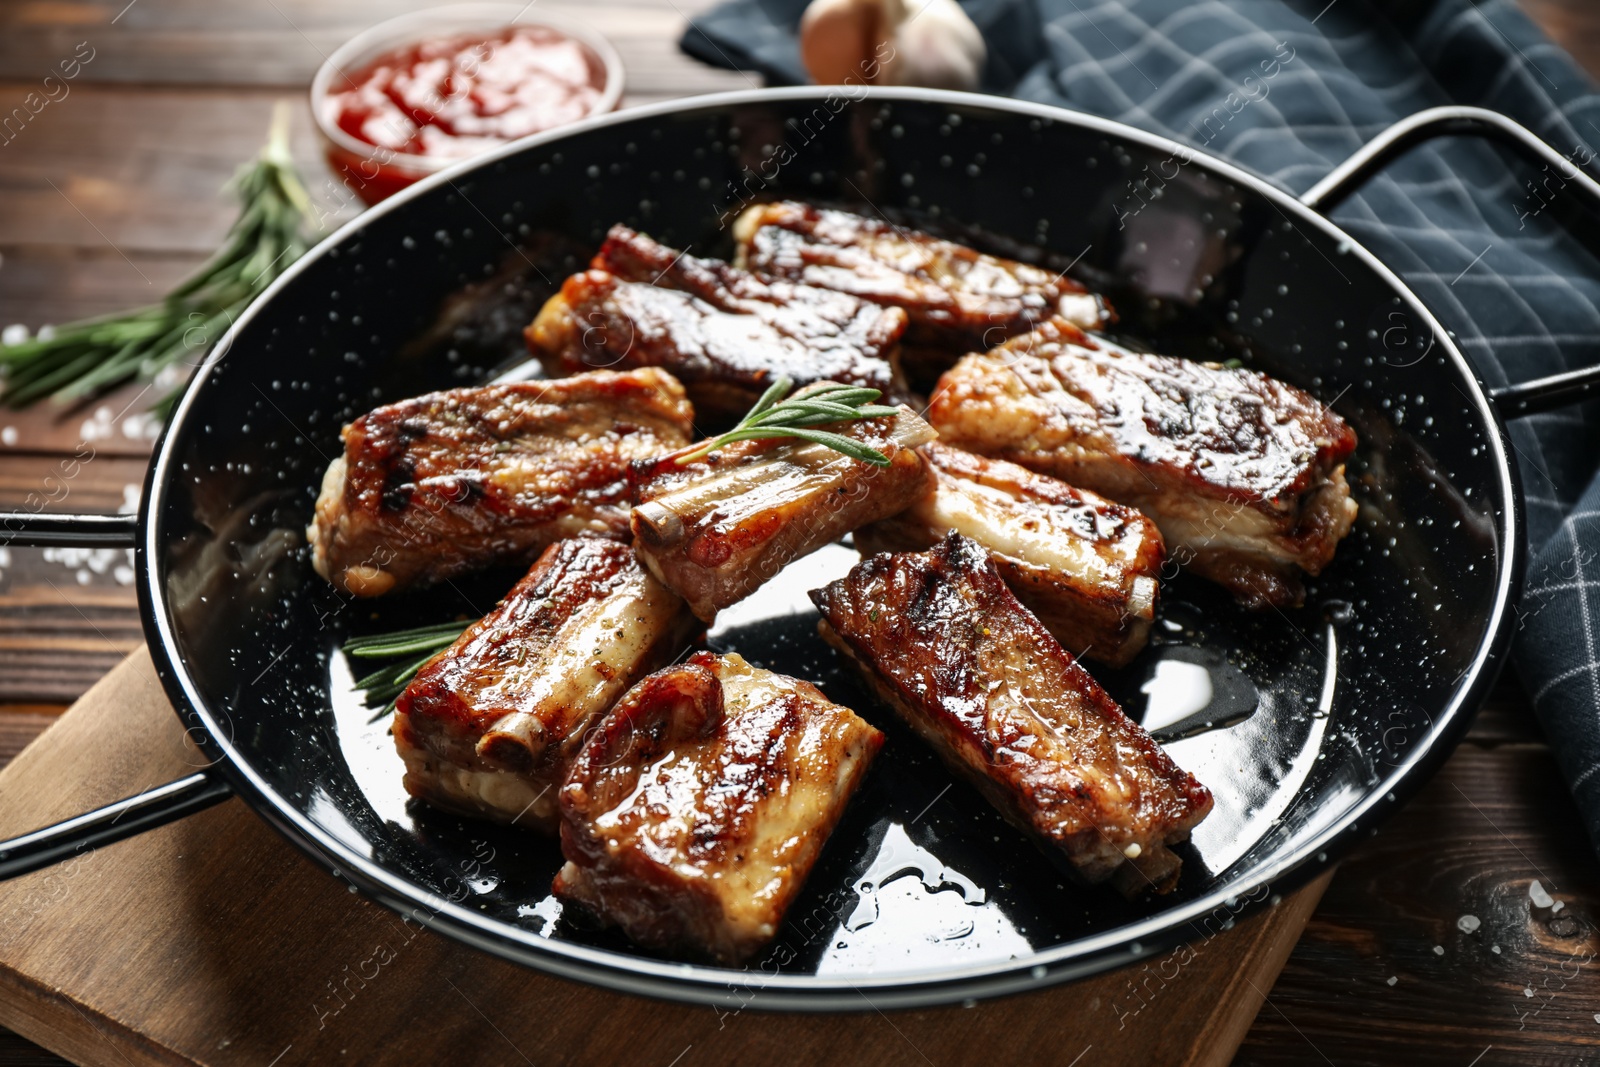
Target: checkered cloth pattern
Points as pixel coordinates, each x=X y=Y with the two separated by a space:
x=1521 y=297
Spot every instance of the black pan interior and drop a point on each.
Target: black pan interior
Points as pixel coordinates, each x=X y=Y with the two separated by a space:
x=922 y=881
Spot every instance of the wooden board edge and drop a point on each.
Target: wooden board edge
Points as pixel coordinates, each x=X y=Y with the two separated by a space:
x=42 y=1015
x=1219 y=1040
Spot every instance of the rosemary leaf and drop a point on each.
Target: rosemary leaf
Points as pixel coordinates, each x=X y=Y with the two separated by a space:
x=411 y=648
x=818 y=404
x=773 y=394
x=838 y=442
x=399 y=642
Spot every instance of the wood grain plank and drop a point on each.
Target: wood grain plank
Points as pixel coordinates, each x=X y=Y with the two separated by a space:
x=17 y=1051
x=57 y=282
x=66 y=617
x=117 y=424
x=18 y=728
x=137 y=220
x=1428 y=947
x=97 y=476
x=1506 y=717
x=283 y=43
x=161 y=191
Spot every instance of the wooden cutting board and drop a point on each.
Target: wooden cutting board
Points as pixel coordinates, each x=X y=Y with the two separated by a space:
x=213 y=941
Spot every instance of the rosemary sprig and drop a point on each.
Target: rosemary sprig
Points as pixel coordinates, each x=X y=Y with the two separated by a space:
x=83 y=359
x=815 y=405
x=413 y=648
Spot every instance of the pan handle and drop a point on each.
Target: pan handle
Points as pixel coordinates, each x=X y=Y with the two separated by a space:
x=103 y=826
x=1524 y=398
x=37 y=529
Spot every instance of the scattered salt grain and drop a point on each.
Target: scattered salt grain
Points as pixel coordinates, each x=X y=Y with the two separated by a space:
x=1393 y=979
x=1540 y=898
x=98 y=427
x=1468 y=923
x=139 y=426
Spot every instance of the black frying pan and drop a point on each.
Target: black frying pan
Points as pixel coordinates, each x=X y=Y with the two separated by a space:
x=1310 y=726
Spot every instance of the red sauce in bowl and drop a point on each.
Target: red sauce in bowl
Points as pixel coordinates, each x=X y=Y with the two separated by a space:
x=451 y=98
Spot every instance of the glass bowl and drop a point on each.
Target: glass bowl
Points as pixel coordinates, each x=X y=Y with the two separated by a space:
x=374 y=172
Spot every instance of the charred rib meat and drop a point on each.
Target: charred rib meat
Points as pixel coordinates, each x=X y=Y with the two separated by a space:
x=489 y=726
x=956 y=298
x=715 y=529
x=1086 y=567
x=694 y=814
x=941 y=639
x=724 y=332
x=448 y=482
x=1243 y=473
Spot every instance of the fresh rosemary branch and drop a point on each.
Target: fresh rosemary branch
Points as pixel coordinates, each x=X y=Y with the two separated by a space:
x=84 y=359
x=815 y=405
x=413 y=648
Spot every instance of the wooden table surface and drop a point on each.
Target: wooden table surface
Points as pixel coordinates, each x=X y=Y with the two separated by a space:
x=1463 y=933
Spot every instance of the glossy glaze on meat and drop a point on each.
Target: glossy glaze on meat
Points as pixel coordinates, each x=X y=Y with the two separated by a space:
x=694 y=814
x=490 y=726
x=1243 y=473
x=957 y=299
x=449 y=482
x=942 y=640
x=724 y=333
x=1088 y=568
x=714 y=530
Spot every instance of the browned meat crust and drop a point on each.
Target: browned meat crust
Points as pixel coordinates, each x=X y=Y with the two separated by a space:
x=944 y=643
x=724 y=333
x=1086 y=567
x=1243 y=473
x=489 y=726
x=957 y=299
x=714 y=530
x=449 y=482
x=693 y=816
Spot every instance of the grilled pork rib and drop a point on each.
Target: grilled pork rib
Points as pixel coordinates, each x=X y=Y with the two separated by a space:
x=715 y=529
x=489 y=727
x=694 y=814
x=725 y=333
x=956 y=298
x=1243 y=473
x=943 y=642
x=1086 y=567
x=448 y=482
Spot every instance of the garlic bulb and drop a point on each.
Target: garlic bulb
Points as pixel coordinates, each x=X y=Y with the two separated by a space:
x=891 y=42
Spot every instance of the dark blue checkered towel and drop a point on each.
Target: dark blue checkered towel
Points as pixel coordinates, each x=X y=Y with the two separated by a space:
x=1523 y=299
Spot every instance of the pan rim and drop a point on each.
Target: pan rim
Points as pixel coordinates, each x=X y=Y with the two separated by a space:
x=720 y=987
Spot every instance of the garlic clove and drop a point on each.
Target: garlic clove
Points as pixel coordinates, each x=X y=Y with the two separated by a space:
x=838 y=40
x=937 y=46
x=926 y=42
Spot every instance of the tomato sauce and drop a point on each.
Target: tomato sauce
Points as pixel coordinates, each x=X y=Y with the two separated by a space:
x=451 y=98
